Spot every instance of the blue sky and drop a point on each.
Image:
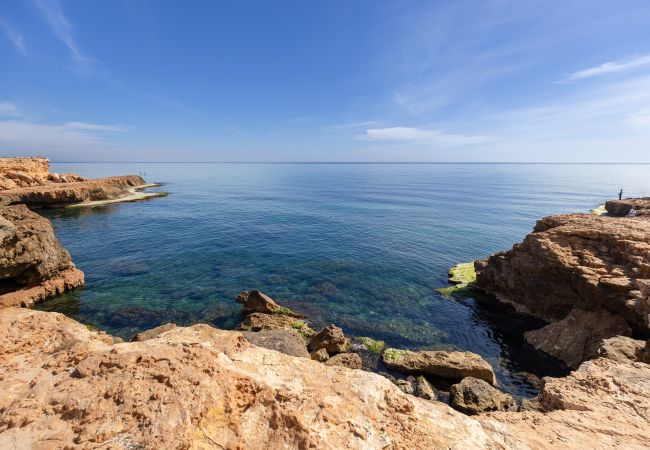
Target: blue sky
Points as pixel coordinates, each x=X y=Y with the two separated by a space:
x=339 y=80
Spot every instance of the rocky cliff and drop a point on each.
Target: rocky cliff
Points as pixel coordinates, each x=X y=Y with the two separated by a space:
x=33 y=264
x=64 y=386
x=641 y=206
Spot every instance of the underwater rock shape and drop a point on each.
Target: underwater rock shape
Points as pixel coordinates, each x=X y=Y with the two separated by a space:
x=463 y=278
x=450 y=365
x=331 y=339
x=474 y=396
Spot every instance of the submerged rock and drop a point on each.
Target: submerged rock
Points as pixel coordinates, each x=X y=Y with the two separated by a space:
x=349 y=360
x=578 y=336
x=463 y=278
x=450 y=365
x=289 y=342
x=256 y=301
x=33 y=264
x=474 y=396
x=331 y=339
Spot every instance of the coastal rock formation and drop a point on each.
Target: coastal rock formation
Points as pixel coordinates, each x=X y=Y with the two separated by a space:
x=643 y=354
x=450 y=365
x=65 y=386
x=289 y=342
x=62 y=385
x=620 y=348
x=259 y=302
x=331 y=339
x=474 y=396
x=261 y=321
x=349 y=360
x=33 y=264
x=576 y=261
x=623 y=207
x=578 y=336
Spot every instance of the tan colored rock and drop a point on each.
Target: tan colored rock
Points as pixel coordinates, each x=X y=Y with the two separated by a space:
x=575 y=261
x=153 y=333
x=256 y=301
x=33 y=167
x=423 y=389
x=450 y=365
x=320 y=355
x=331 y=339
x=474 y=396
x=349 y=360
x=623 y=207
x=578 y=336
x=289 y=342
x=619 y=348
x=260 y=321
x=199 y=387
x=33 y=264
x=643 y=354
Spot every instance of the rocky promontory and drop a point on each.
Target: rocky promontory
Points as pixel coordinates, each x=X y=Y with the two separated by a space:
x=29 y=181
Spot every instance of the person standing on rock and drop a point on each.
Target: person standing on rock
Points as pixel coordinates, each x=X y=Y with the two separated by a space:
x=620 y=194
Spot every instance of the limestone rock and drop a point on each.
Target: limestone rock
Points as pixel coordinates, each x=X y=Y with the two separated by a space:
x=577 y=337
x=33 y=264
x=320 y=355
x=623 y=207
x=153 y=333
x=261 y=321
x=423 y=389
x=450 y=365
x=289 y=342
x=619 y=348
x=331 y=339
x=349 y=360
x=474 y=396
x=575 y=261
x=643 y=354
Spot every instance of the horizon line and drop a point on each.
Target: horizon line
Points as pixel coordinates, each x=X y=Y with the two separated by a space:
x=354 y=162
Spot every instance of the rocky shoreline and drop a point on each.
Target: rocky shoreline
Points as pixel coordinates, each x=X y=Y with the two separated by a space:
x=278 y=383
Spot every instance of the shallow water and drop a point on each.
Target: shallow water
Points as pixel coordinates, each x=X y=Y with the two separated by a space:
x=360 y=245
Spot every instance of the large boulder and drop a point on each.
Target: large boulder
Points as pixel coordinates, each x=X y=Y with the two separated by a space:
x=575 y=261
x=620 y=348
x=578 y=336
x=450 y=365
x=331 y=339
x=33 y=264
x=474 y=396
x=289 y=342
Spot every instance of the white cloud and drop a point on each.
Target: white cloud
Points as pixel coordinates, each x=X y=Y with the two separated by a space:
x=610 y=67
x=8 y=109
x=14 y=36
x=422 y=136
x=62 y=29
x=26 y=135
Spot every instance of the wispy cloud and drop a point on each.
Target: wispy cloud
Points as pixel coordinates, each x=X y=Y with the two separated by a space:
x=63 y=30
x=14 y=36
x=8 y=109
x=423 y=136
x=610 y=67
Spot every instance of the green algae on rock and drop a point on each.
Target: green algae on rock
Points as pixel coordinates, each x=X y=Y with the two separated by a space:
x=463 y=276
x=372 y=345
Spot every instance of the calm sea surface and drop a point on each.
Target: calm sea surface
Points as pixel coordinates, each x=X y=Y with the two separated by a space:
x=360 y=245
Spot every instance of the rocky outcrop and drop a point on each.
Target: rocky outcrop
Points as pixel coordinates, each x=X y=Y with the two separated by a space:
x=643 y=354
x=259 y=302
x=17 y=172
x=289 y=342
x=65 y=386
x=33 y=264
x=349 y=360
x=620 y=348
x=449 y=365
x=623 y=207
x=261 y=321
x=331 y=339
x=576 y=261
x=578 y=336
x=474 y=396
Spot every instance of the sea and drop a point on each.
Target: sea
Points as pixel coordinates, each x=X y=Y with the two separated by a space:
x=363 y=246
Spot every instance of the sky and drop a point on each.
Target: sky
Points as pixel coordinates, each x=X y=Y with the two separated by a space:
x=339 y=80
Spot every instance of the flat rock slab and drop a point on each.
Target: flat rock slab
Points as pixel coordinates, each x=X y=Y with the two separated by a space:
x=288 y=342
x=450 y=365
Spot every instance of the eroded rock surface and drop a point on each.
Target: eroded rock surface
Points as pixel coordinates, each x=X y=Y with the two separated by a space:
x=450 y=365
x=33 y=264
x=623 y=207
x=289 y=342
x=331 y=339
x=620 y=348
x=474 y=396
x=578 y=336
x=576 y=261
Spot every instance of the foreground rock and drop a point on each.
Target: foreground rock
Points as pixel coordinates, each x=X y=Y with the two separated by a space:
x=576 y=261
x=578 y=336
x=349 y=360
x=199 y=387
x=450 y=365
x=620 y=348
x=474 y=396
x=623 y=207
x=33 y=264
x=289 y=342
x=64 y=386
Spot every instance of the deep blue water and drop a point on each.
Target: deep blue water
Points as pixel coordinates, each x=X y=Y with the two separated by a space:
x=360 y=245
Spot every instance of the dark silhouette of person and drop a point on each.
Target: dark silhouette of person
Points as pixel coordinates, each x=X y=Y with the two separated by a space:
x=620 y=194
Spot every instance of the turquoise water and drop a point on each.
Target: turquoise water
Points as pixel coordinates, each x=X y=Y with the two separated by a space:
x=360 y=245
